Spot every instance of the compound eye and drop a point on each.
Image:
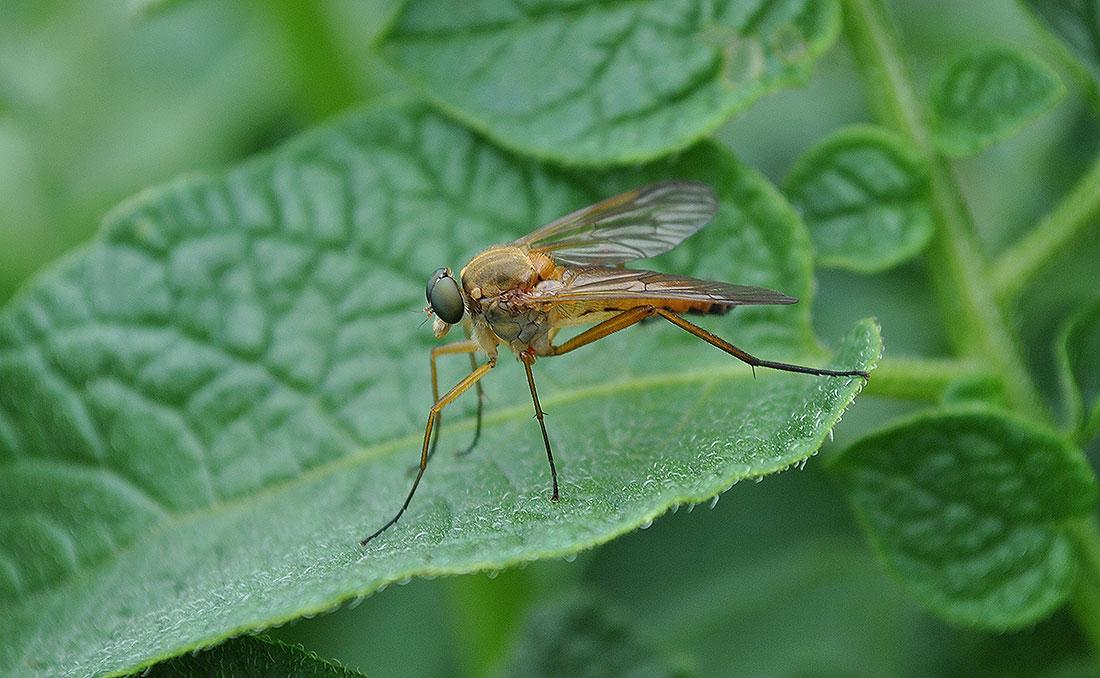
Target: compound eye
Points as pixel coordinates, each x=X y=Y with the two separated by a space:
x=444 y=296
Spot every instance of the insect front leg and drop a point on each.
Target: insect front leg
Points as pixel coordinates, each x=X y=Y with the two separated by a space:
x=458 y=389
x=480 y=404
x=470 y=347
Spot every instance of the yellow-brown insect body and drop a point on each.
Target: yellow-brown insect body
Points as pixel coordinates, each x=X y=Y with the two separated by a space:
x=570 y=272
x=494 y=282
x=644 y=287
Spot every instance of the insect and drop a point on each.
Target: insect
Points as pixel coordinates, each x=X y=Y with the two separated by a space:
x=569 y=272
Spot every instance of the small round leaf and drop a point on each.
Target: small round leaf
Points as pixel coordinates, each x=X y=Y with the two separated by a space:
x=968 y=508
x=988 y=93
x=864 y=195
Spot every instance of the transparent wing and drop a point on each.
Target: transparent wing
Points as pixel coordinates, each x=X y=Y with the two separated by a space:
x=638 y=224
x=623 y=284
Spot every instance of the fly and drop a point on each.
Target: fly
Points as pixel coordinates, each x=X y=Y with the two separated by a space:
x=569 y=272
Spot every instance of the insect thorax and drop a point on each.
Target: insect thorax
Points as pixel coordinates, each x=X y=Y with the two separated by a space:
x=497 y=270
x=514 y=325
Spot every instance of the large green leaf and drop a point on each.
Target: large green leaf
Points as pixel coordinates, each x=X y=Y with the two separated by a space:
x=988 y=93
x=203 y=410
x=969 y=508
x=606 y=82
x=864 y=194
x=249 y=657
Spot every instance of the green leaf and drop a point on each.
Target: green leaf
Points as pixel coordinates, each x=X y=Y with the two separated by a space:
x=247 y=657
x=1077 y=24
x=988 y=93
x=204 y=410
x=968 y=507
x=608 y=82
x=864 y=195
x=578 y=636
x=1077 y=352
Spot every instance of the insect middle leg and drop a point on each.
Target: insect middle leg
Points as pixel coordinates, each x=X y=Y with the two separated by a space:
x=528 y=359
x=458 y=389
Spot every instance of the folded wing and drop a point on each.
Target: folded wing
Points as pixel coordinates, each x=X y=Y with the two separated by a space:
x=603 y=284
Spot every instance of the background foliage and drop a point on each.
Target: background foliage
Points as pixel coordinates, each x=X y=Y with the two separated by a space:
x=100 y=101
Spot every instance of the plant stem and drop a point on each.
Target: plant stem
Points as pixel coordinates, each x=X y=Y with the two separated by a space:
x=971 y=314
x=960 y=272
x=1086 y=592
x=484 y=616
x=921 y=379
x=325 y=82
x=1028 y=257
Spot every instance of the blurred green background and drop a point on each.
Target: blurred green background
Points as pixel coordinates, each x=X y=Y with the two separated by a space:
x=99 y=100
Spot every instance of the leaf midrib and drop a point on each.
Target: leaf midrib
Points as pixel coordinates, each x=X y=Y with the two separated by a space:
x=708 y=377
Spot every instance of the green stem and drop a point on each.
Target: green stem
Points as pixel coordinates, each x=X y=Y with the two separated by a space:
x=485 y=613
x=971 y=313
x=920 y=379
x=1019 y=265
x=1086 y=592
x=319 y=67
x=960 y=272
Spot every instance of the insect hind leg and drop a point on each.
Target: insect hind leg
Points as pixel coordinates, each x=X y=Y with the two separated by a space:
x=640 y=313
x=748 y=358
